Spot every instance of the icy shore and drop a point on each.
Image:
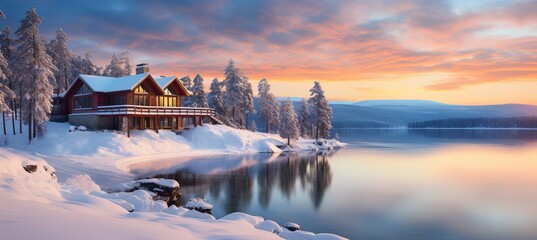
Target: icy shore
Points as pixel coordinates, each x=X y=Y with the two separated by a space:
x=81 y=210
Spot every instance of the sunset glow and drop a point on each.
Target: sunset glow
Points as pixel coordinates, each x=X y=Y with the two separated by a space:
x=460 y=52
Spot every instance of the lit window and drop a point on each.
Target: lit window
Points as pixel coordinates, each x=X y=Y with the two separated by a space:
x=140 y=89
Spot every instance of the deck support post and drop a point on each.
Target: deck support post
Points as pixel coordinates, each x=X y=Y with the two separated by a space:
x=128 y=127
x=156 y=122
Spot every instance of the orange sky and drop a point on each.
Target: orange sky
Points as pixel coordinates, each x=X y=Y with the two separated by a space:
x=453 y=51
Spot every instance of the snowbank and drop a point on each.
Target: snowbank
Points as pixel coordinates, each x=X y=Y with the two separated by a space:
x=83 y=211
x=81 y=214
x=83 y=182
x=37 y=182
x=110 y=153
x=60 y=140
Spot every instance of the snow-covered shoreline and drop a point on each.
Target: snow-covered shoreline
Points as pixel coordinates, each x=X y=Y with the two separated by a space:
x=97 y=152
x=105 y=153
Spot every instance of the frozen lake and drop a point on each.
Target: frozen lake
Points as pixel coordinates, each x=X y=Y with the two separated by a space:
x=386 y=184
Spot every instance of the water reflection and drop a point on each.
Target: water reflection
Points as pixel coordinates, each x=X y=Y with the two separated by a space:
x=235 y=189
x=386 y=184
x=496 y=136
x=379 y=138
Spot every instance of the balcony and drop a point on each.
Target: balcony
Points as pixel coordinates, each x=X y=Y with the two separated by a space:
x=154 y=111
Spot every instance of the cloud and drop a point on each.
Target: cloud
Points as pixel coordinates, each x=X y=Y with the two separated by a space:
x=336 y=40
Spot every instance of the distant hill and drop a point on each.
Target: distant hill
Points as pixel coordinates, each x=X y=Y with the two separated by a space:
x=398 y=113
x=416 y=103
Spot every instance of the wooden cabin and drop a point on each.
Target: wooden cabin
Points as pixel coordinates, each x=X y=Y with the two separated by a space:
x=140 y=101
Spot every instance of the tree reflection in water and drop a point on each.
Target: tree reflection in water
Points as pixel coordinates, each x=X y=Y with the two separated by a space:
x=288 y=173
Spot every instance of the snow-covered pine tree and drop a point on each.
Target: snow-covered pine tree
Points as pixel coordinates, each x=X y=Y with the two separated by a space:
x=187 y=83
x=7 y=46
x=5 y=92
x=32 y=68
x=269 y=108
x=276 y=122
x=215 y=98
x=248 y=106
x=199 y=99
x=320 y=112
x=288 y=122
x=303 y=118
x=113 y=69
x=238 y=95
x=126 y=63
x=118 y=67
x=84 y=65
x=5 y=71
x=62 y=58
x=234 y=94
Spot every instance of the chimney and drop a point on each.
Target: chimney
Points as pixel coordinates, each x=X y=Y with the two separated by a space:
x=142 y=68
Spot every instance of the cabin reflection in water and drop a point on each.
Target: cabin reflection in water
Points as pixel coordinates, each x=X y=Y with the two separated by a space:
x=235 y=189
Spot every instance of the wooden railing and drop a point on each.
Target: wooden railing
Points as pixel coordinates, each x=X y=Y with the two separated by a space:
x=154 y=110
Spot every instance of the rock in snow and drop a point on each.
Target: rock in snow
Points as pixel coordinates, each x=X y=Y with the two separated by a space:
x=291 y=226
x=166 y=190
x=199 y=205
x=32 y=168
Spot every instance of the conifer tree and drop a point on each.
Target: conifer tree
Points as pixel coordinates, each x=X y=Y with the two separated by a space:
x=238 y=95
x=288 y=122
x=199 y=99
x=5 y=92
x=320 y=112
x=32 y=68
x=233 y=97
x=84 y=65
x=7 y=46
x=119 y=66
x=62 y=58
x=187 y=83
x=268 y=105
x=113 y=69
x=248 y=95
x=215 y=97
x=126 y=63
x=303 y=118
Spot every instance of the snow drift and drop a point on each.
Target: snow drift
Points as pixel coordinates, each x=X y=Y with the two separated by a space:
x=82 y=211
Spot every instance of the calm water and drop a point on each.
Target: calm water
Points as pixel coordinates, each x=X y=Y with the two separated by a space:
x=386 y=184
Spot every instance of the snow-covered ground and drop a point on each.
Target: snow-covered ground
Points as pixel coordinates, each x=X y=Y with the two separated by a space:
x=37 y=205
x=107 y=155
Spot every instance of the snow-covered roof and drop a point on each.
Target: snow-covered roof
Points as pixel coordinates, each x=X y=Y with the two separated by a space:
x=163 y=82
x=112 y=84
x=126 y=83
